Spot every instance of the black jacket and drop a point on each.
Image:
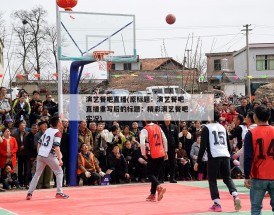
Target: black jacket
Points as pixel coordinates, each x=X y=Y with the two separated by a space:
x=117 y=164
x=30 y=147
x=187 y=144
x=172 y=136
x=237 y=133
x=51 y=106
x=243 y=111
x=64 y=146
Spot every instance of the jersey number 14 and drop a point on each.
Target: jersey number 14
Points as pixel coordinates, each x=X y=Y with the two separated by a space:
x=270 y=150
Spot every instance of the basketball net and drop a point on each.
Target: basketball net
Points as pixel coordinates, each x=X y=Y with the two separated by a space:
x=104 y=59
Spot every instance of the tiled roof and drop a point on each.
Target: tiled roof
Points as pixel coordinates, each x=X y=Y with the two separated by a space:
x=140 y=80
x=156 y=63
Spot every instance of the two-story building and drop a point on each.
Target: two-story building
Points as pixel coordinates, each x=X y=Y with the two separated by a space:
x=261 y=64
x=221 y=74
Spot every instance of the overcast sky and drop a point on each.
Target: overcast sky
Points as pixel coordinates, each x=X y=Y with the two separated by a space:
x=218 y=23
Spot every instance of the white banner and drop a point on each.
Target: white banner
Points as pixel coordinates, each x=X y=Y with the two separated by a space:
x=132 y=107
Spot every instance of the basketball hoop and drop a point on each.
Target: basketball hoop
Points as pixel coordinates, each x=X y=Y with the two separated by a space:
x=104 y=59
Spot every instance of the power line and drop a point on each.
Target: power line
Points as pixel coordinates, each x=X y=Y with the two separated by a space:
x=150 y=39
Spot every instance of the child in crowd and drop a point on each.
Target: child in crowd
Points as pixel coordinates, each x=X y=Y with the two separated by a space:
x=9 y=178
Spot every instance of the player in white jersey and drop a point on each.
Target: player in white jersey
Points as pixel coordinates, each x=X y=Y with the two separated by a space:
x=49 y=154
x=215 y=140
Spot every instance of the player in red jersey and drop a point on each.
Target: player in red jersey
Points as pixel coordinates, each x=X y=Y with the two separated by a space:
x=259 y=160
x=155 y=151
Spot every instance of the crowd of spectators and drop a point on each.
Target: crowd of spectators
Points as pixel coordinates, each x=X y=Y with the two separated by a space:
x=108 y=148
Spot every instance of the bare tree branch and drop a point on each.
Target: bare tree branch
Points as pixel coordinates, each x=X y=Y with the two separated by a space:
x=31 y=27
x=2 y=28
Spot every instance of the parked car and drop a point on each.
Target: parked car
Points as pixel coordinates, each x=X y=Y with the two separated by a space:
x=118 y=92
x=167 y=90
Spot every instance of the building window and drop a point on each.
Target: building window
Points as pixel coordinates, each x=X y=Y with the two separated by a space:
x=264 y=62
x=168 y=90
x=127 y=66
x=113 y=67
x=217 y=65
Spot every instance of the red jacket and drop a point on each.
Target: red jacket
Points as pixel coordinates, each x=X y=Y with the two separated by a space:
x=4 y=153
x=230 y=116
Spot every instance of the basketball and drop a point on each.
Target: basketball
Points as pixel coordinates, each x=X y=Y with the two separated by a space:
x=170 y=19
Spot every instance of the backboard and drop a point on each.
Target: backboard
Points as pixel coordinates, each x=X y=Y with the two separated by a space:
x=82 y=33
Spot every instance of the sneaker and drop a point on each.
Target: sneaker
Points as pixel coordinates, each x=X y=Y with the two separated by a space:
x=216 y=207
x=161 y=192
x=29 y=196
x=61 y=196
x=151 y=198
x=237 y=203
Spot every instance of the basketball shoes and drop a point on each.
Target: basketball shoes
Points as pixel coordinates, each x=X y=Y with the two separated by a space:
x=215 y=207
x=29 y=196
x=161 y=191
x=237 y=203
x=61 y=196
x=151 y=198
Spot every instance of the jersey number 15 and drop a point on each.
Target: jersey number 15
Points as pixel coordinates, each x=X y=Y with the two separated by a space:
x=219 y=139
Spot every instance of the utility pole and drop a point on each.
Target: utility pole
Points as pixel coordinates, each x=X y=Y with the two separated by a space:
x=184 y=66
x=188 y=58
x=60 y=73
x=248 y=84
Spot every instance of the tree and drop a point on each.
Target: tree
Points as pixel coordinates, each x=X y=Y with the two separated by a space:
x=2 y=28
x=51 y=37
x=22 y=51
x=30 y=28
x=196 y=62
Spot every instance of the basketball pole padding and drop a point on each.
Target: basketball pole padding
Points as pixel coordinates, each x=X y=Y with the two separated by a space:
x=76 y=69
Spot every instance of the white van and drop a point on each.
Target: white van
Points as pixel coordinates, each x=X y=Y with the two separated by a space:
x=163 y=90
